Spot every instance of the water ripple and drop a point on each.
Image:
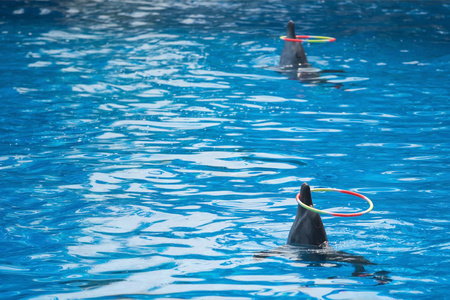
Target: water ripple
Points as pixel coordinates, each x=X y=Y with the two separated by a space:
x=151 y=148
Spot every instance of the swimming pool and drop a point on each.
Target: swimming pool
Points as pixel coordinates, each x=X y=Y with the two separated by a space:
x=149 y=149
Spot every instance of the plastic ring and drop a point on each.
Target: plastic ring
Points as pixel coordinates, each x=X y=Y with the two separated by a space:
x=309 y=39
x=336 y=214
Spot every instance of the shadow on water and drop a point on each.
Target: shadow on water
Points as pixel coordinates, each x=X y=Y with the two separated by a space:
x=310 y=75
x=317 y=256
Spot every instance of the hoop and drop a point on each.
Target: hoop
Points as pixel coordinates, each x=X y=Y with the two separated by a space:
x=309 y=39
x=336 y=214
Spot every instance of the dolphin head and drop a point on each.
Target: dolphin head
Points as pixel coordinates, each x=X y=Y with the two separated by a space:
x=293 y=55
x=307 y=228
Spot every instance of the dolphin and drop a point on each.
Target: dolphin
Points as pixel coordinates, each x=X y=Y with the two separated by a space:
x=293 y=55
x=307 y=228
x=294 y=63
x=307 y=239
x=307 y=242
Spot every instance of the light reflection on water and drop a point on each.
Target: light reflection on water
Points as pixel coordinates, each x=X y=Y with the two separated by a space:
x=150 y=149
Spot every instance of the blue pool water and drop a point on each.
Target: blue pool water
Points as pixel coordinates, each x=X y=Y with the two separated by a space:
x=149 y=150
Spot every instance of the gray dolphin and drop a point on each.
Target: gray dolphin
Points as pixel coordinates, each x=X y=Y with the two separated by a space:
x=307 y=241
x=293 y=55
x=307 y=228
x=294 y=64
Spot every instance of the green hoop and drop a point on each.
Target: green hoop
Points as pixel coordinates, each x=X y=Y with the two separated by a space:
x=309 y=39
x=297 y=198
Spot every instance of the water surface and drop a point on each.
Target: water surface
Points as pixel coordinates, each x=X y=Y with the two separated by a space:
x=149 y=149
